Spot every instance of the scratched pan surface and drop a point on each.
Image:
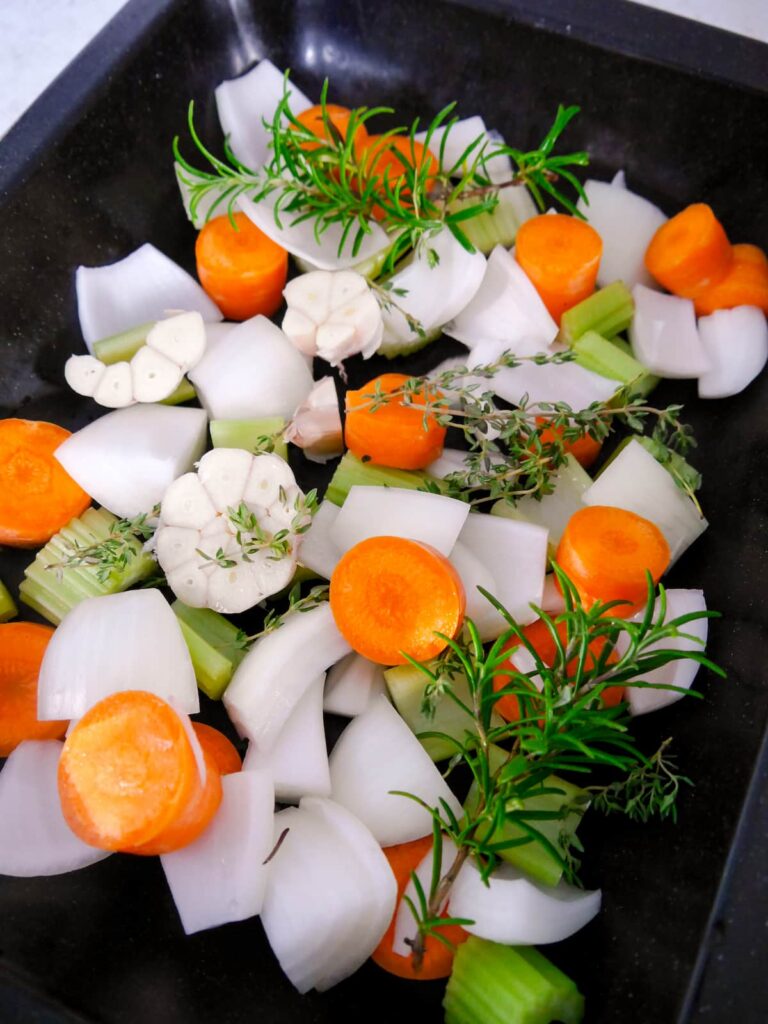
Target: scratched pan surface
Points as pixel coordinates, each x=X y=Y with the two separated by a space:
x=87 y=177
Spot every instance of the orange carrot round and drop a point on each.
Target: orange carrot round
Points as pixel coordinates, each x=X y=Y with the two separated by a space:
x=606 y=553
x=339 y=117
x=584 y=449
x=745 y=283
x=37 y=495
x=390 y=595
x=438 y=958
x=561 y=256
x=242 y=270
x=690 y=252
x=394 y=434
x=221 y=749
x=22 y=646
x=127 y=771
x=388 y=157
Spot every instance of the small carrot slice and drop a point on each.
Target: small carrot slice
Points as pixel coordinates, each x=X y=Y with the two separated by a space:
x=606 y=553
x=690 y=252
x=584 y=449
x=394 y=434
x=388 y=157
x=37 y=495
x=390 y=595
x=745 y=283
x=127 y=771
x=438 y=958
x=22 y=646
x=339 y=117
x=561 y=256
x=242 y=270
x=221 y=749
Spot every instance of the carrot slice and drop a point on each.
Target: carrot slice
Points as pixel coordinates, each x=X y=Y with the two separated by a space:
x=242 y=270
x=607 y=551
x=221 y=749
x=584 y=449
x=561 y=256
x=37 y=495
x=394 y=434
x=745 y=283
x=542 y=641
x=388 y=157
x=390 y=595
x=438 y=958
x=22 y=646
x=127 y=771
x=339 y=117
x=690 y=252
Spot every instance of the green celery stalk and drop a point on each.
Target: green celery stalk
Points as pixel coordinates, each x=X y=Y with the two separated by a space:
x=185 y=392
x=642 y=386
x=213 y=643
x=500 y=226
x=495 y=984
x=246 y=433
x=352 y=471
x=8 y=609
x=599 y=355
x=394 y=348
x=118 y=348
x=607 y=311
x=41 y=600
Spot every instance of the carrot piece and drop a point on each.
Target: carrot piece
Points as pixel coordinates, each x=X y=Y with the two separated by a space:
x=438 y=958
x=394 y=434
x=37 y=495
x=242 y=270
x=388 y=157
x=339 y=117
x=390 y=595
x=542 y=641
x=584 y=449
x=745 y=284
x=690 y=252
x=22 y=646
x=607 y=551
x=127 y=771
x=561 y=256
x=221 y=749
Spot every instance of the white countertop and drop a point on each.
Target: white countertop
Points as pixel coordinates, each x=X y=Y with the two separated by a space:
x=38 y=38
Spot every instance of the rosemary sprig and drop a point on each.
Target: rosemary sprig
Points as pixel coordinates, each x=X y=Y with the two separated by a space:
x=111 y=555
x=296 y=604
x=563 y=728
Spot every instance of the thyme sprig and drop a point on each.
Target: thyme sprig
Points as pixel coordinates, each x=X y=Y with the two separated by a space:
x=563 y=728
x=113 y=554
x=274 y=620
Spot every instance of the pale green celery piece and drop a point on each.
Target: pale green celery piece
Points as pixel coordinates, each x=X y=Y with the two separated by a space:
x=553 y=511
x=607 y=311
x=495 y=984
x=406 y=688
x=609 y=359
x=394 y=348
x=185 y=392
x=500 y=226
x=41 y=600
x=58 y=550
x=69 y=586
x=351 y=472
x=213 y=647
x=8 y=609
x=118 y=348
x=246 y=433
x=98 y=520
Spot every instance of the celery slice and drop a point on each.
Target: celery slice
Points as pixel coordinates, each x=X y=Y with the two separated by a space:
x=123 y=346
x=607 y=311
x=393 y=348
x=42 y=601
x=213 y=646
x=500 y=226
x=611 y=360
x=351 y=471
x=495 y=984
x=8 y=609
x=185 y=392
x=246 y=434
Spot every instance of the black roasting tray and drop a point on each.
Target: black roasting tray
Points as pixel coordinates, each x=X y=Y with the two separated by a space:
x=86 y=177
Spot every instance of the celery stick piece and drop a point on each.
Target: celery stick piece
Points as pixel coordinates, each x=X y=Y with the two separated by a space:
x=248 y=434
x=98 y=521
x=500 y=226
x=495 y=984
x=213 y=646
x=8 y=609
x=41 y=600
x=595 y=353
x=185 y=392
x=394 y=349
x=642 y=386
x=123 y=346
x=351 y=471
x=607 y=311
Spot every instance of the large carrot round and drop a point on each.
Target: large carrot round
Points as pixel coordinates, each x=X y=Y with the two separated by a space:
x=388 y=157
x=745 y=283
x=690 y=252
x=339 y=117
x=220 y=749
x=438 y=958
x=242 y=270
x=606 y=552
x=390 y=595
x=392 y=433
x=37 y=495
x=22 y=646
x=584 y=449
x=561 y=256
x=127 y=771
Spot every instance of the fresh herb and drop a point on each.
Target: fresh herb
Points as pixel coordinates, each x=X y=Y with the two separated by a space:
x=252 y=538
x=296 y=604
x=563 y=728
x=112 y=555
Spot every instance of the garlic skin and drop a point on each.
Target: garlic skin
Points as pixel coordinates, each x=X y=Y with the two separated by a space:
x=316 y=425
x=201 y=515
x=333 y=314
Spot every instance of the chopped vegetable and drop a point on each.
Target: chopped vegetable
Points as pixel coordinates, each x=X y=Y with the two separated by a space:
x=585 y=450
x=605 y=312
x=333 y=315
x=500 y=225
x=221 y=750
x=495 y=984
x=561 y=255
x=316 y=425
x=388 y=156
x=736 y=343
x=607 y=553
x=690 y=252
x=332 y=120
x=391 y=596
x=614 y=359
x=318 y=551
x=252 y=435
x=22 y=646
x=121 y=347
x=8 y=609
x=37 y=495
x=214 y=647
x=664 y=335
x=352 y=471
x=745 y=283
x=352 y=684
